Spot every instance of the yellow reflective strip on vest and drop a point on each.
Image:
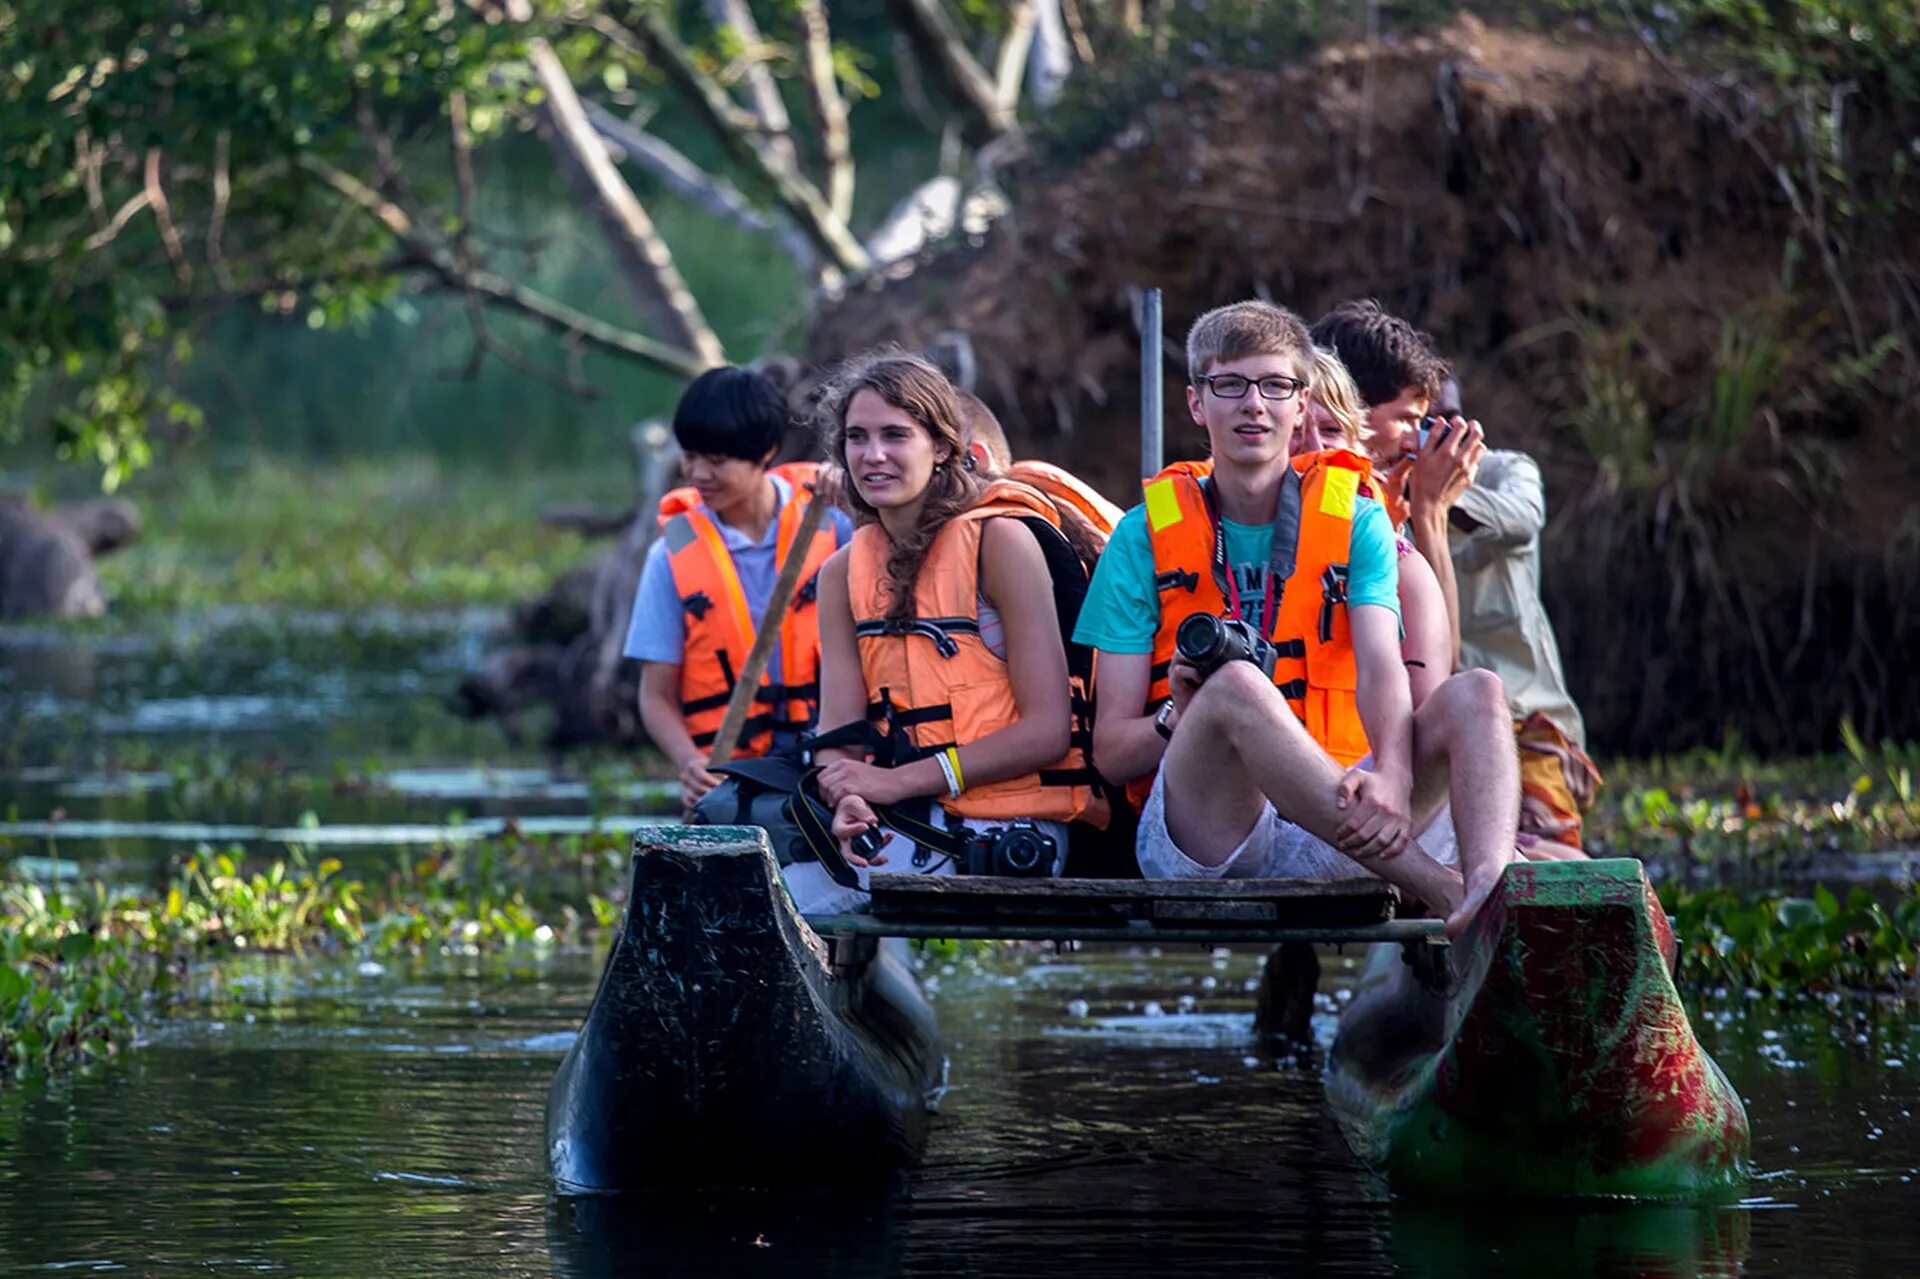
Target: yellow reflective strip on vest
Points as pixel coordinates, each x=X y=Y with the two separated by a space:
x=1163 y=505
x=1337 y=492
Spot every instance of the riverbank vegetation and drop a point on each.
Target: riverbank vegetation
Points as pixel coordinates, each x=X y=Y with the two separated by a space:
x=360 y=534
x=81 y=965
x=1716 y=814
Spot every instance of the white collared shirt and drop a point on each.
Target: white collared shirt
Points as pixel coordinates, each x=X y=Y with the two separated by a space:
x=1503 y=626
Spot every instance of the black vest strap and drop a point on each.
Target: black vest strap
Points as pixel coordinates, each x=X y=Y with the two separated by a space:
x=940 y=630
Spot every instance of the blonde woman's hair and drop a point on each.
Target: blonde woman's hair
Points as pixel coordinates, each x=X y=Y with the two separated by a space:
x=1334 y=391
x=922 y=392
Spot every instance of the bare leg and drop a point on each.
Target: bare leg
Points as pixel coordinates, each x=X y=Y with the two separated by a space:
x=1212 y=801
x=1239 y=740
x=1463 y=747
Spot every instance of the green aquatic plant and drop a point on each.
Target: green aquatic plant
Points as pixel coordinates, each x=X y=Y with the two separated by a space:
x=1798 y=945
x=80 y=962
x=1723 y=810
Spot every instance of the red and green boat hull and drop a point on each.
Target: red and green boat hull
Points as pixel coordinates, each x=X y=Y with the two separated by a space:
x=1548 y=1056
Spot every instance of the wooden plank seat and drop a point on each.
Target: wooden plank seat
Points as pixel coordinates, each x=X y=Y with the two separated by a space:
x=978 y=906
x=1309 y=902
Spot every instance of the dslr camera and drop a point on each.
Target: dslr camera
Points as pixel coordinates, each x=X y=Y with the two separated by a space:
x=1207 y=643
x=1020 y=849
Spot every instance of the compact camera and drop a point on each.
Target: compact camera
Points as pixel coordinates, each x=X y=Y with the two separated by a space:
x=1206 y=643
x=1020 y=849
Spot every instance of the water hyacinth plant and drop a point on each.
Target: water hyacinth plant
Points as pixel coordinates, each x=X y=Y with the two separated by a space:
x=79 y=963
x=1799 y=945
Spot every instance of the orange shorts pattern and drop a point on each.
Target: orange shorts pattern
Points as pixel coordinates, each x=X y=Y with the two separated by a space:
x=1557 y=781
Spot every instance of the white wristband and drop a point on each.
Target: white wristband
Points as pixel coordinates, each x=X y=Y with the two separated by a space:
x=946 y=771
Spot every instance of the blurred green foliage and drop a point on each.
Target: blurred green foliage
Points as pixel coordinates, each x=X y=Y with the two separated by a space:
x=403 y=532
x=149 y=165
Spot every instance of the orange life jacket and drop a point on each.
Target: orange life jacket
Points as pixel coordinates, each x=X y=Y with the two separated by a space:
x=1315 y=667
x=1069 y=490
x=720 y=627
x=932 y=682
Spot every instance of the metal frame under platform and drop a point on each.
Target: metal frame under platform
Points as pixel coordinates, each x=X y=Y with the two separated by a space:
x=1266 y=911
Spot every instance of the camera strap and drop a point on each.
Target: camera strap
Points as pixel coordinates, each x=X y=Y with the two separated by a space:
x=1282 y=549
x=815 y=819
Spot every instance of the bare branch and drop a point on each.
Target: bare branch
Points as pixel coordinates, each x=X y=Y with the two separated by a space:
x=761 y=89
x=649 y=263
x=554 y=314
x=941 y=48
x=88 y=163
x=791 y=188
x=105 y=235
x=714 y=194
x=388 y=177
x=1050 y=60
x=829 y=108
x=1077 y=28
x=486 y=343
x=163 y=218
x=463 y=181
x=1010 y=64
x=222 y=197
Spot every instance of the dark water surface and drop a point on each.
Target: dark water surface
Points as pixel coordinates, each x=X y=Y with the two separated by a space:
x=1107 y=1116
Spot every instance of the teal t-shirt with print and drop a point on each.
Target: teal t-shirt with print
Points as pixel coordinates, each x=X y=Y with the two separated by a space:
x=1122 y=609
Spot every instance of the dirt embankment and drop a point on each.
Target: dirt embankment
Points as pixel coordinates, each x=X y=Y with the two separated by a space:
x=1641 y=279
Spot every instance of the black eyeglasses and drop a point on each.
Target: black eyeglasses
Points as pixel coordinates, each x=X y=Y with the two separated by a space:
x=1231 y=386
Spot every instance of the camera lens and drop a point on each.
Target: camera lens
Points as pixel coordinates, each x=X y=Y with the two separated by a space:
x=1199 y=640
x=1020 y=852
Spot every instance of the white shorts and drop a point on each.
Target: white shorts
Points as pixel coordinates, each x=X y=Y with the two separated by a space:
x=815 y=893
x=1274 y=849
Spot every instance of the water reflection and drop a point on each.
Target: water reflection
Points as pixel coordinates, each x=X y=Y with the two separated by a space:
x=852 y=1232
x=326 y=1119
x=1567 y=1242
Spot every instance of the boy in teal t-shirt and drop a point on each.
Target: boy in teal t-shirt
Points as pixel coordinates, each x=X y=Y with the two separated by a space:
x=1227 y=753
x=1122 y=608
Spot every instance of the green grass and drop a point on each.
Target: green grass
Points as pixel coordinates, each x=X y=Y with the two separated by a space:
x=1727 y=810
x=404 y=533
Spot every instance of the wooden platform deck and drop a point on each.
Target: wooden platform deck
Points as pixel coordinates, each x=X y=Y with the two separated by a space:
x=966 y=907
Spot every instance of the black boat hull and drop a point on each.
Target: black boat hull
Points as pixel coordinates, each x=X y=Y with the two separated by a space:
x=724 y=1047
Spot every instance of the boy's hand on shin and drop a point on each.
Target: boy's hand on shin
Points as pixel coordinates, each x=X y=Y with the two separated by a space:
x=1377 y=826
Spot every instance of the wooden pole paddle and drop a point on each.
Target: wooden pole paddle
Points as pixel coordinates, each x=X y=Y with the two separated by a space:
x=766 y=632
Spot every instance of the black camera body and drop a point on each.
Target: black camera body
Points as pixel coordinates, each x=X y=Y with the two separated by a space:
x=1020 y=849
x=1207 y=643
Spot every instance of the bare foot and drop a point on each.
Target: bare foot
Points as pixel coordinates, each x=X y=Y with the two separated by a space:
x=1476 y=897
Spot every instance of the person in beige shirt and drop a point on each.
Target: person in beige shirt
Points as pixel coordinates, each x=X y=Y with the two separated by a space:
x=1494 y=540
x=1475 y=516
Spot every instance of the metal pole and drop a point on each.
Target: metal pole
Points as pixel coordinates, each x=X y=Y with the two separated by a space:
x=1151 y=392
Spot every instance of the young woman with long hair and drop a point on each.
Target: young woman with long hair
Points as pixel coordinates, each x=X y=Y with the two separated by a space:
x=938 y=628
